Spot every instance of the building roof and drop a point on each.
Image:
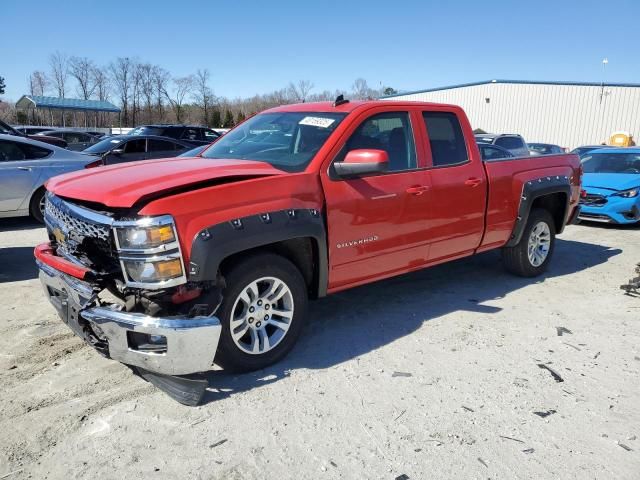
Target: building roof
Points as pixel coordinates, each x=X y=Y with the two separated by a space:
x=528 y=82
x=37 y=101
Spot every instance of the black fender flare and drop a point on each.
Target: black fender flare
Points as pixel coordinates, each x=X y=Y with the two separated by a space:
x=215 y=243
x=532 y=190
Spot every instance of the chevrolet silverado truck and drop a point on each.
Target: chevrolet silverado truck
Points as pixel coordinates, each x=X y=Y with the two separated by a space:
x=171 y=265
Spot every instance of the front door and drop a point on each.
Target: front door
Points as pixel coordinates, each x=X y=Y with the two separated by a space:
x=127 y=152
x=377 y=223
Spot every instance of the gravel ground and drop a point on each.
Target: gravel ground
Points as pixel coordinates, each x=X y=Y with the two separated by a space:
x=430 y=375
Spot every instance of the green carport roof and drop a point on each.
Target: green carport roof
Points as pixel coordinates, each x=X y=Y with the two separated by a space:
x=36 y=101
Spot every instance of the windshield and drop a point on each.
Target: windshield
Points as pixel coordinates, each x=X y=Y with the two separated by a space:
x=286 y=140
x=540 y=147
x=628 y=163
x=484 y=140
x=8 y=129
x=103 y=146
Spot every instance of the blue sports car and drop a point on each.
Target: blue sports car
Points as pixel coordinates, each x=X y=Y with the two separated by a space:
x=612 y=183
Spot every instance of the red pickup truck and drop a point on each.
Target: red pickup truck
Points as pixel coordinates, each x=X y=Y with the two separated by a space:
x=214 y=258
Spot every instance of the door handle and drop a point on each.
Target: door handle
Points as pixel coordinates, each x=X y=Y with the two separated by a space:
x=26 y=169
x=473 y=182
x=417 y=190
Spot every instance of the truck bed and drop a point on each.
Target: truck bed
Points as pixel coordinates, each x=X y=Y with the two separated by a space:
x=506 y=181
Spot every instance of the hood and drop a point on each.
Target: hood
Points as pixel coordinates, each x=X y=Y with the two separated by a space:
x=122 y=186
x=611 y=181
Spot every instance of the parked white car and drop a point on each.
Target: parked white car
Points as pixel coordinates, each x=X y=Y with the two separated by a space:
x=25 y=165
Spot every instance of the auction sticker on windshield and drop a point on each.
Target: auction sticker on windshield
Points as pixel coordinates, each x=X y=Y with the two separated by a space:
x=317 y=121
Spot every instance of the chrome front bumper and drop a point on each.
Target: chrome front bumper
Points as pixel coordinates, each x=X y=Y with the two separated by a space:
x=189 y=344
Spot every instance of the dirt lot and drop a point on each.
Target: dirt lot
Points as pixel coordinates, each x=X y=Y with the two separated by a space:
x=430 y=375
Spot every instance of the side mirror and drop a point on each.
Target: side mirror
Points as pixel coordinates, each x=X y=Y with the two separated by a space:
x=362 y=162
x=117 y=151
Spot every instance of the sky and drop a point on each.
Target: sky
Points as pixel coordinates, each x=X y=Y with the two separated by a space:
x=259 y=46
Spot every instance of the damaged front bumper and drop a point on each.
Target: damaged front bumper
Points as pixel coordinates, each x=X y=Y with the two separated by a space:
x=162 y=345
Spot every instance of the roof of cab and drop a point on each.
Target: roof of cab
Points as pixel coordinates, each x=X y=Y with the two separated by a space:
x=349 y=106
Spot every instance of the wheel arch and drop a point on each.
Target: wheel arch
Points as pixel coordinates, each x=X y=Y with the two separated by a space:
x=551 y=193
x=298 y=235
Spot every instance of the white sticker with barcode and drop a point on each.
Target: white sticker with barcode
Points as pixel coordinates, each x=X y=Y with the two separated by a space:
x=321 y=122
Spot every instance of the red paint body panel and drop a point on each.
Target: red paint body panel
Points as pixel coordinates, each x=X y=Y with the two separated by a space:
x=44 y=252
x=124 y=185
x=377 y=226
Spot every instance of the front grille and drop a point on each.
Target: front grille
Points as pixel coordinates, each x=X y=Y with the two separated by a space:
x=80 y=234
x=593 y=200
x=57 y=214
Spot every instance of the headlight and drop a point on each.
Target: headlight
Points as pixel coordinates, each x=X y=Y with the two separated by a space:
x=152 y=270
x=147 y=235
x=632 y=192
x=149 y=252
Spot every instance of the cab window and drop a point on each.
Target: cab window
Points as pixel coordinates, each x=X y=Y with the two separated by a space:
x=14 y=151
x=390 y=132
x=160 y=145
x=510 y=143
x=445 y=138
x=135 y=146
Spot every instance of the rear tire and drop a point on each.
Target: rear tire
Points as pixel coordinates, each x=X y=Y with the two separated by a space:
x=262 y=313
x=36 y=205
x=531 y=256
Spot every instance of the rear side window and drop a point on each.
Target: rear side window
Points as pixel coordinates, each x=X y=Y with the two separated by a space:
x=192 y=134
x=14 y=151
x=510 y=143
x=445 y=138
x=160 y=145
x=135 y=146
x=211 y=135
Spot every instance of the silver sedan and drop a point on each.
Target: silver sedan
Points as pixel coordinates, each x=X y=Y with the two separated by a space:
x=25 y=166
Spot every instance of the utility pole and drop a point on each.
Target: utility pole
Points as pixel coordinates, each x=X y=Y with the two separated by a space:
x=605 y=61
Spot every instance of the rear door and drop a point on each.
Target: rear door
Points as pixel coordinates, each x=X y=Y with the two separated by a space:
x=157 y=148
x=458 y=187
x=21 y=166
x=377 y=223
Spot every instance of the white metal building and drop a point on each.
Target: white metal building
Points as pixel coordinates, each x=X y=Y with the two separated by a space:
x=568 y=114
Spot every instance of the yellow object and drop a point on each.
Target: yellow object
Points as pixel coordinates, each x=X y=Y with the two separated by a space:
x=169 y=268
x=159 y=235
x=621 y=139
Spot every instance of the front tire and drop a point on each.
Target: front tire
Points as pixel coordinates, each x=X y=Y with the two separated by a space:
x=263 y=312
x=531 y=256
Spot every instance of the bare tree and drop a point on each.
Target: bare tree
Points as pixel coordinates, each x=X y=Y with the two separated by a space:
x=203 y=94
x=182 y=87
x=101 y=82
x=81 y=68
x=102 y=88
x=136 y=88
x=59 y=62
x=38 y=83
x=147 y=87
x=361 y=90
x=300 y=91
x=121 y=72
x=161 y=80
